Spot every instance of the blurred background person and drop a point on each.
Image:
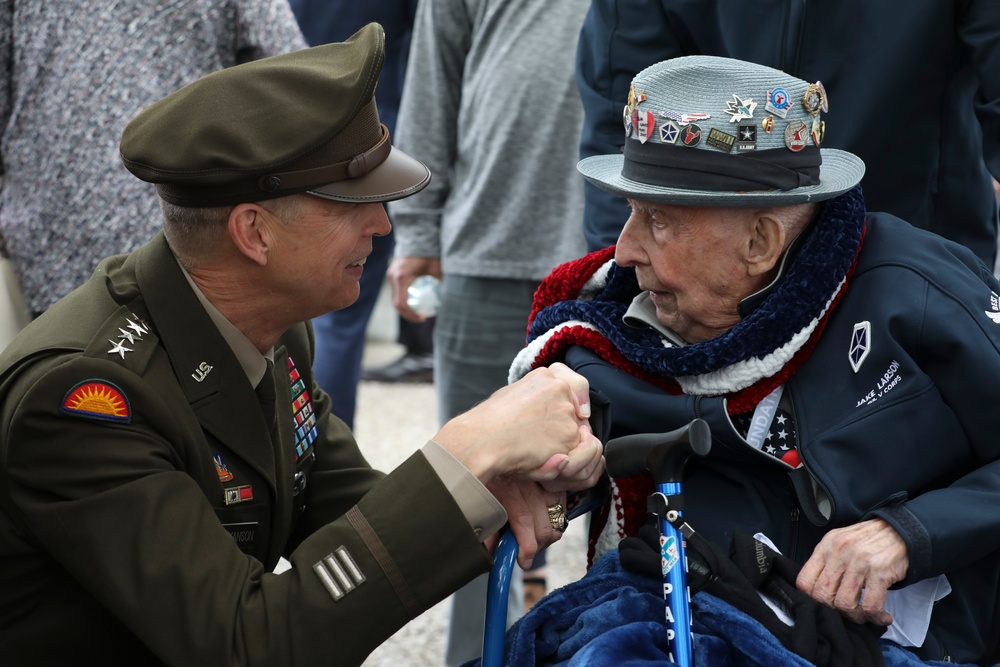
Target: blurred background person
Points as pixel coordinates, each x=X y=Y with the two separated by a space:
x=930 y=153
x=72 y=74
x=491 y=106
x=340 y=335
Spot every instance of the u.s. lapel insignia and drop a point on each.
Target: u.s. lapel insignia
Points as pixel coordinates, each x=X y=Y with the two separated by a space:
x=97 y=399
x=860 y=344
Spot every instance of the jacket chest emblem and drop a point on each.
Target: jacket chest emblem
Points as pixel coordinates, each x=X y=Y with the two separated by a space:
x=860 y=344
x=994 y=312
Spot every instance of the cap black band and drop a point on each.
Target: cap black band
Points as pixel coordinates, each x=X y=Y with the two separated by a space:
x=696 y=169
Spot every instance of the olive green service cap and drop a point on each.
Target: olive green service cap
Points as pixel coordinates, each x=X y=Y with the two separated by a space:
x=300 y=122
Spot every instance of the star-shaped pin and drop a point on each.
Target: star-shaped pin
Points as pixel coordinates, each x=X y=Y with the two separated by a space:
x=118 y=348
x=127 y=335
x=740 y=109
x=137 y=328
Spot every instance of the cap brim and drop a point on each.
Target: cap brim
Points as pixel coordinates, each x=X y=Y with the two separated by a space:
x=398 y=176
x=839 y=172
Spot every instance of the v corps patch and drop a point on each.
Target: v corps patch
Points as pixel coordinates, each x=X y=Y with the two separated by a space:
x=97 y=399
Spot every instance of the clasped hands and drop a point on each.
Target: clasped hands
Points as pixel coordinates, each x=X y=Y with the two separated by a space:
x=530 y=443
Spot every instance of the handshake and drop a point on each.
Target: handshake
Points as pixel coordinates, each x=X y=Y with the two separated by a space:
x=530 y=443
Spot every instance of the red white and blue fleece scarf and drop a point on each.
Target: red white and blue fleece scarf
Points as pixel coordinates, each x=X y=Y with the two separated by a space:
x=583 y=302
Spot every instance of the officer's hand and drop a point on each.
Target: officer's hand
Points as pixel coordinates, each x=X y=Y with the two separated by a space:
x=869 y=555
x=527 y=506
x=403 y=271
x=536 y=428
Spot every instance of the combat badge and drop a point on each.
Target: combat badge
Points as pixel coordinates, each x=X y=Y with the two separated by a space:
x=97 y=399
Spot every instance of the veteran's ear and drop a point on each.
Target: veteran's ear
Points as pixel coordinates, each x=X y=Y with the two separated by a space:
x=765 y=243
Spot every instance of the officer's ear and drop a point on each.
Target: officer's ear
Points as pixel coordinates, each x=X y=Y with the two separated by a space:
x=251 y=231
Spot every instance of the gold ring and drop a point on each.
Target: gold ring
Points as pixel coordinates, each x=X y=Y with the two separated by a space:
x=557 y=517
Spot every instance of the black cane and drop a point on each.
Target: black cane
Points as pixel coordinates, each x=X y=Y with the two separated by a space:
x=664 y=456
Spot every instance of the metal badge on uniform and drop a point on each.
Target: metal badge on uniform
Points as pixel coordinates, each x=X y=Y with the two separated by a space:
x=645 y=125
x=97 y=399
x=721 y=140
x=778 y=102
x=306 y=429
x=746 y=138
x=795 y=135
x=669 y=132
x=238 y=494
x=222 y=469
x=691 y=135
x=860 y=344
x=740 y=109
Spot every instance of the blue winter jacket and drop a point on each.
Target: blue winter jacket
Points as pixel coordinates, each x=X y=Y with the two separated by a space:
x=912 y=436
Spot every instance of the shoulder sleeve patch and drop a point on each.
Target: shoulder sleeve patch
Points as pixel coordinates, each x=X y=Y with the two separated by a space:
x=97 y=399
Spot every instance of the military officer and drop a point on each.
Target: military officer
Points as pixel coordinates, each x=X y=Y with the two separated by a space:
x=163 y=443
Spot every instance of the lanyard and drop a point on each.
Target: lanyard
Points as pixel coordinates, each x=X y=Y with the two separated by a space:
x=763 y=417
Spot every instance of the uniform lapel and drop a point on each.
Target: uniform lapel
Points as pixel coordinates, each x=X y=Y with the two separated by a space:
x=208 y=372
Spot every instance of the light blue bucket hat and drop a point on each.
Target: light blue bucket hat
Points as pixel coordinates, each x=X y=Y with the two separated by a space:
x=709 y=131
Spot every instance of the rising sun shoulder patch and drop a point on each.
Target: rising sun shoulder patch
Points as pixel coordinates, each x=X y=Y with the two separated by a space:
x=97 y=399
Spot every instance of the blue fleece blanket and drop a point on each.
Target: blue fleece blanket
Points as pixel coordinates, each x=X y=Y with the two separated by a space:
x=616 y=617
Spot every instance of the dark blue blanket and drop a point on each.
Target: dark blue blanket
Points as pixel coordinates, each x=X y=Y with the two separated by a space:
x=616 y=617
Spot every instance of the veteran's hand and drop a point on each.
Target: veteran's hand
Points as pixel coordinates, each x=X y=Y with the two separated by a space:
x=527 y=506
x=536 y=428
x=869 y=555
x=401 y=273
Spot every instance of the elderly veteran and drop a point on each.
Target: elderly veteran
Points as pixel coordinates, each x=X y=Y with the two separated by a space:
x=163 y=443
x=846 y=362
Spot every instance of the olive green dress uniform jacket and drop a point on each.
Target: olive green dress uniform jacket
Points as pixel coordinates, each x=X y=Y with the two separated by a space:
x=116 y=540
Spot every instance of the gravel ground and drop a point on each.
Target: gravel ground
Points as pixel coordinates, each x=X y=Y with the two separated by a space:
x=392 y=421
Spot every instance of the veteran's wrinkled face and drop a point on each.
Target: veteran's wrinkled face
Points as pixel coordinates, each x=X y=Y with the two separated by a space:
x=692 y=261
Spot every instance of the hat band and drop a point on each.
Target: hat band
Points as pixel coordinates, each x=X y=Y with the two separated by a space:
x=692 y=169
x=357 y=166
